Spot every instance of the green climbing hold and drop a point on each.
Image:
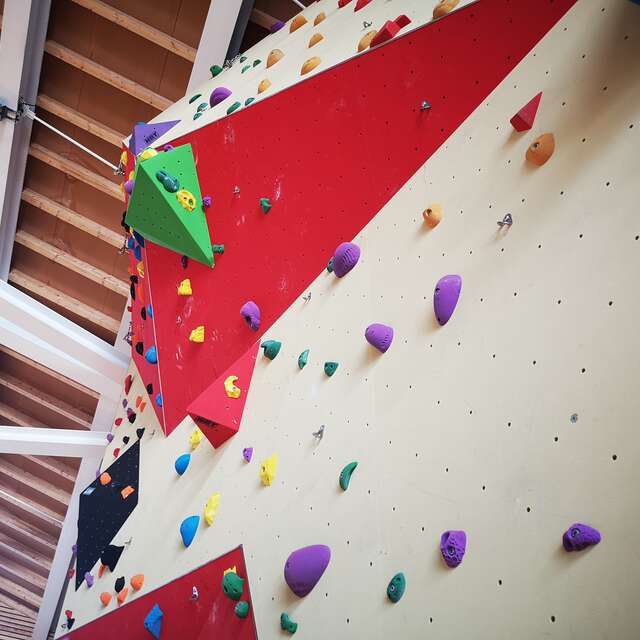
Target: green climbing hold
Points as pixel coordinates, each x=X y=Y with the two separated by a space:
x=256 y=62
x=287 y=624
x=160 y=216
x=215 y=70
x=194 y=97
x=242 y=609
x=265 y=205
x=345 y=475
x=197 y=114
x=303 y=358
x=218 y=249
x=396 y=587
x=232 y=585
x=170 y=183
x=203 y=106
x=330 y=266
x=248 y=101
x=243 y=58
x=271 y=348
x=245 y=68
x=330 y=368
x=234 y=107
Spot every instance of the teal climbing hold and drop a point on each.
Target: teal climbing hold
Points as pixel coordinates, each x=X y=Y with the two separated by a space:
x=287 y=624
x=271 y=348
x=197 y=115
x=218 y=249
x=265 y=205
x=203 y=106
x=303 y=358
x=215 y=70
x=170 y=183
x=243 y=58
x=330 y=266
x=242 y=609
x=232 y=585
x=188 y=529
x=181 y=463
x=330 y=368
x=248 y=101
x=396 y=587
x=345 y=475
x=193 y=98
x=245 y=68
x=234 y=107
x=256 y=62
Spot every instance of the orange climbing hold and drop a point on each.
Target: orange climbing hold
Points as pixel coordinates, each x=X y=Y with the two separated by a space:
x=432 y=215
x=122 y=596
x=105 y=479
x=315 y=38
x=541 y=149
x=143 y=404
x=319 y=18
x=389 y=29
x=443 y=7
x=310 y=65
x=138 y=401
x=274 y=56
x=264 y=85
x=297 y=22
x=127 y=491
x=101 y=570
x=105 y=598
x=365 y=41
x=137 y=581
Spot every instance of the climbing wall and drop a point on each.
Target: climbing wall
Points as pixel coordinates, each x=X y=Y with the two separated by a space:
x=511 y=422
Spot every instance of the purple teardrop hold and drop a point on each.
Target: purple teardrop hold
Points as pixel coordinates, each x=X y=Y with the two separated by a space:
x=128 y=186
x=345 y=258
x=445 y=297
x=379 y=336
x=247 y=453
x=453 y=544
x=218 y=95
x=88 y=578
x=109 y=437
x=276 y=26
x=305 y=567
x=251 y=314
x=580 y=536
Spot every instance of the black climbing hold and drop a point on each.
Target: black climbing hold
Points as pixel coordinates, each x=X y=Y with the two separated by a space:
x=139 y=348
x=70 y=622
x=149 y=388
x=131 y=417
x=119 y=584
x=185 y=261
x=140 y=432
x=132 y=290
x=110 y=556
x=134 y=279
x=143 y=313
x=125 y=440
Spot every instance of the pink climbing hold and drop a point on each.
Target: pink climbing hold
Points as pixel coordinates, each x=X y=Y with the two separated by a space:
x=305 y=567
x=445 y=297
x=379 y=336
x=345 y=258
x=218 y=95
x=524 y=119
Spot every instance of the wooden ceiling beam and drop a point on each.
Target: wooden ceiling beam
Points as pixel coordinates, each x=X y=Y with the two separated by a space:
x=78 y=119
x=72 y=218
x=34 y=527
x=262 y=19
x=21 y=419
x=22 y=553
x=22 y=598
x=106 y=75
x=140 y=28
x=72 y=263
x=45 y=467
x=75 y=170
x=22 y=575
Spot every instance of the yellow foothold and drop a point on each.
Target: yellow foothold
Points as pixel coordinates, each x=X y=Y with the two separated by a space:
x=211 y=508
x=443 y=7
x=315 y=38
x=123 y=158
x=195 y=438
x=297 y=22
x=310 y=65
x=432 y=215
x=147 y=153
x=184 y=289
x=264 y=85
x=230 y=570
x=132 y=175
x=186 y=199
x=230 y=387
x=140 y=268
x=275 y=56
x=268 y=470
x=319 y=18
x=366 y=39
x=197 y=335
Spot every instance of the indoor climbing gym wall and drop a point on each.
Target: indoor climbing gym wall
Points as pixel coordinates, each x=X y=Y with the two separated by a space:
x=384 y=351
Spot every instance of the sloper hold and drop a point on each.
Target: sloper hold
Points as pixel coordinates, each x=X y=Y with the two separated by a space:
x=274 y=56
x=379 y=336
x=297 y=22
x=345 y=258
x=365 y=41
x=310 y=65
x=158 y=214
x=144 y=135
x=218 y=95
x=445 y=297
x=579 y=536
x=443 y=7
x=541 y=149
x=182 y=462
x=153 y=621
x=396 y=587
x=188 y=529
x=453 y=545
x=525 y=118
x=217 y=415
x=304 y=568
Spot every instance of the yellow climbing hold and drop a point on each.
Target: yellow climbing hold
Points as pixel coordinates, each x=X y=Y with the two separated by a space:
x=268 y=470
x=147 y=153
x=230 y=387
x=123 y=158
x=132 y=175
x=274 y=56
x=211 y=508
x=230 y=570
x=140 y=269
x=195 y=438
x=186 y=199
x=297 y=22
x=319 y=18
x=365 y=41
x=264 y=85
x=315 y=38
x=310 y=65
x=184 y=288
x=197 y=335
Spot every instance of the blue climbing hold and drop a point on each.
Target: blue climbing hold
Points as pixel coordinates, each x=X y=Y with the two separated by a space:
x=182 y=462
x=159 y=399
x=139 y=238
x=151 y=356
x=188 y=529
x=150 y=311
x=137 y=252
x=131 y=242
x=153 y=621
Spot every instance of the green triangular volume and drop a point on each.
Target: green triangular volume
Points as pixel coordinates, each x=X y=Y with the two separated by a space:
x=157 y=213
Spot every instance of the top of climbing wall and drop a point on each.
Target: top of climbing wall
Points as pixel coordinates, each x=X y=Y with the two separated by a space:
x=325 y=34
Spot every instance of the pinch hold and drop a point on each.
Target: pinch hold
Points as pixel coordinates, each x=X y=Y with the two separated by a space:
x=345 y=258
x=268 y=470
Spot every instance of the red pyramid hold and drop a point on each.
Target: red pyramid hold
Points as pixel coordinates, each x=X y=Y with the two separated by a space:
x=523 y=120
x=218 y=415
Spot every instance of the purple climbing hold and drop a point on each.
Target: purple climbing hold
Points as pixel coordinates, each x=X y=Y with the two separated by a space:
x=167 y=148
x=276 y=26
x=109 y=437
x=445 y=297
x=305 y=567
x=88 y=578
x=247 y=453
x=453 y=544
x=128 y=186
x=218 y=95
x=144 y=135
x=580 y=536
x=345 y=258
x=251 y=314
x=379 y=336
x=206 y=201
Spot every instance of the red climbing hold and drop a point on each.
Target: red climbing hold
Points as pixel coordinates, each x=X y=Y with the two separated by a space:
x=127 y=383
x=388 y=30
x=402 y=20
x=360 y=5
x=116 y=452
x=523 y=120
x=118 y=422
x=343 y=3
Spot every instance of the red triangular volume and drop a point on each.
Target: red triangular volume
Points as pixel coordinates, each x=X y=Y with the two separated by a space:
x=218 y=415
x=523 y=120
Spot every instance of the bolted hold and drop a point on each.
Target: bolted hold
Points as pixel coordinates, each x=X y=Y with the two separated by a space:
x=424 y=105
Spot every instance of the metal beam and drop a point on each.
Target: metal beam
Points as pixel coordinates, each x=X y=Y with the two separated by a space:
x=36 y=441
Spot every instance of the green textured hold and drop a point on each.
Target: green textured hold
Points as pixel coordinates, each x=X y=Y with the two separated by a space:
x=245 y=68
x=243 y=58
x=197 y=114
x=234 y=107
x=170 y=183
x=256 y=62
x=203 y=106
x=194 y=98
x=248 y=101
x=330 y=368
x=215 y=70
x=159 y=216
x=396 y=587
x=345 y=475
x=287 y=624
x=330 y=266
x=303 y=358
x=218 y=249
x=232 y=585
x=242 y=609
x=265 y=205
x=271 y=348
